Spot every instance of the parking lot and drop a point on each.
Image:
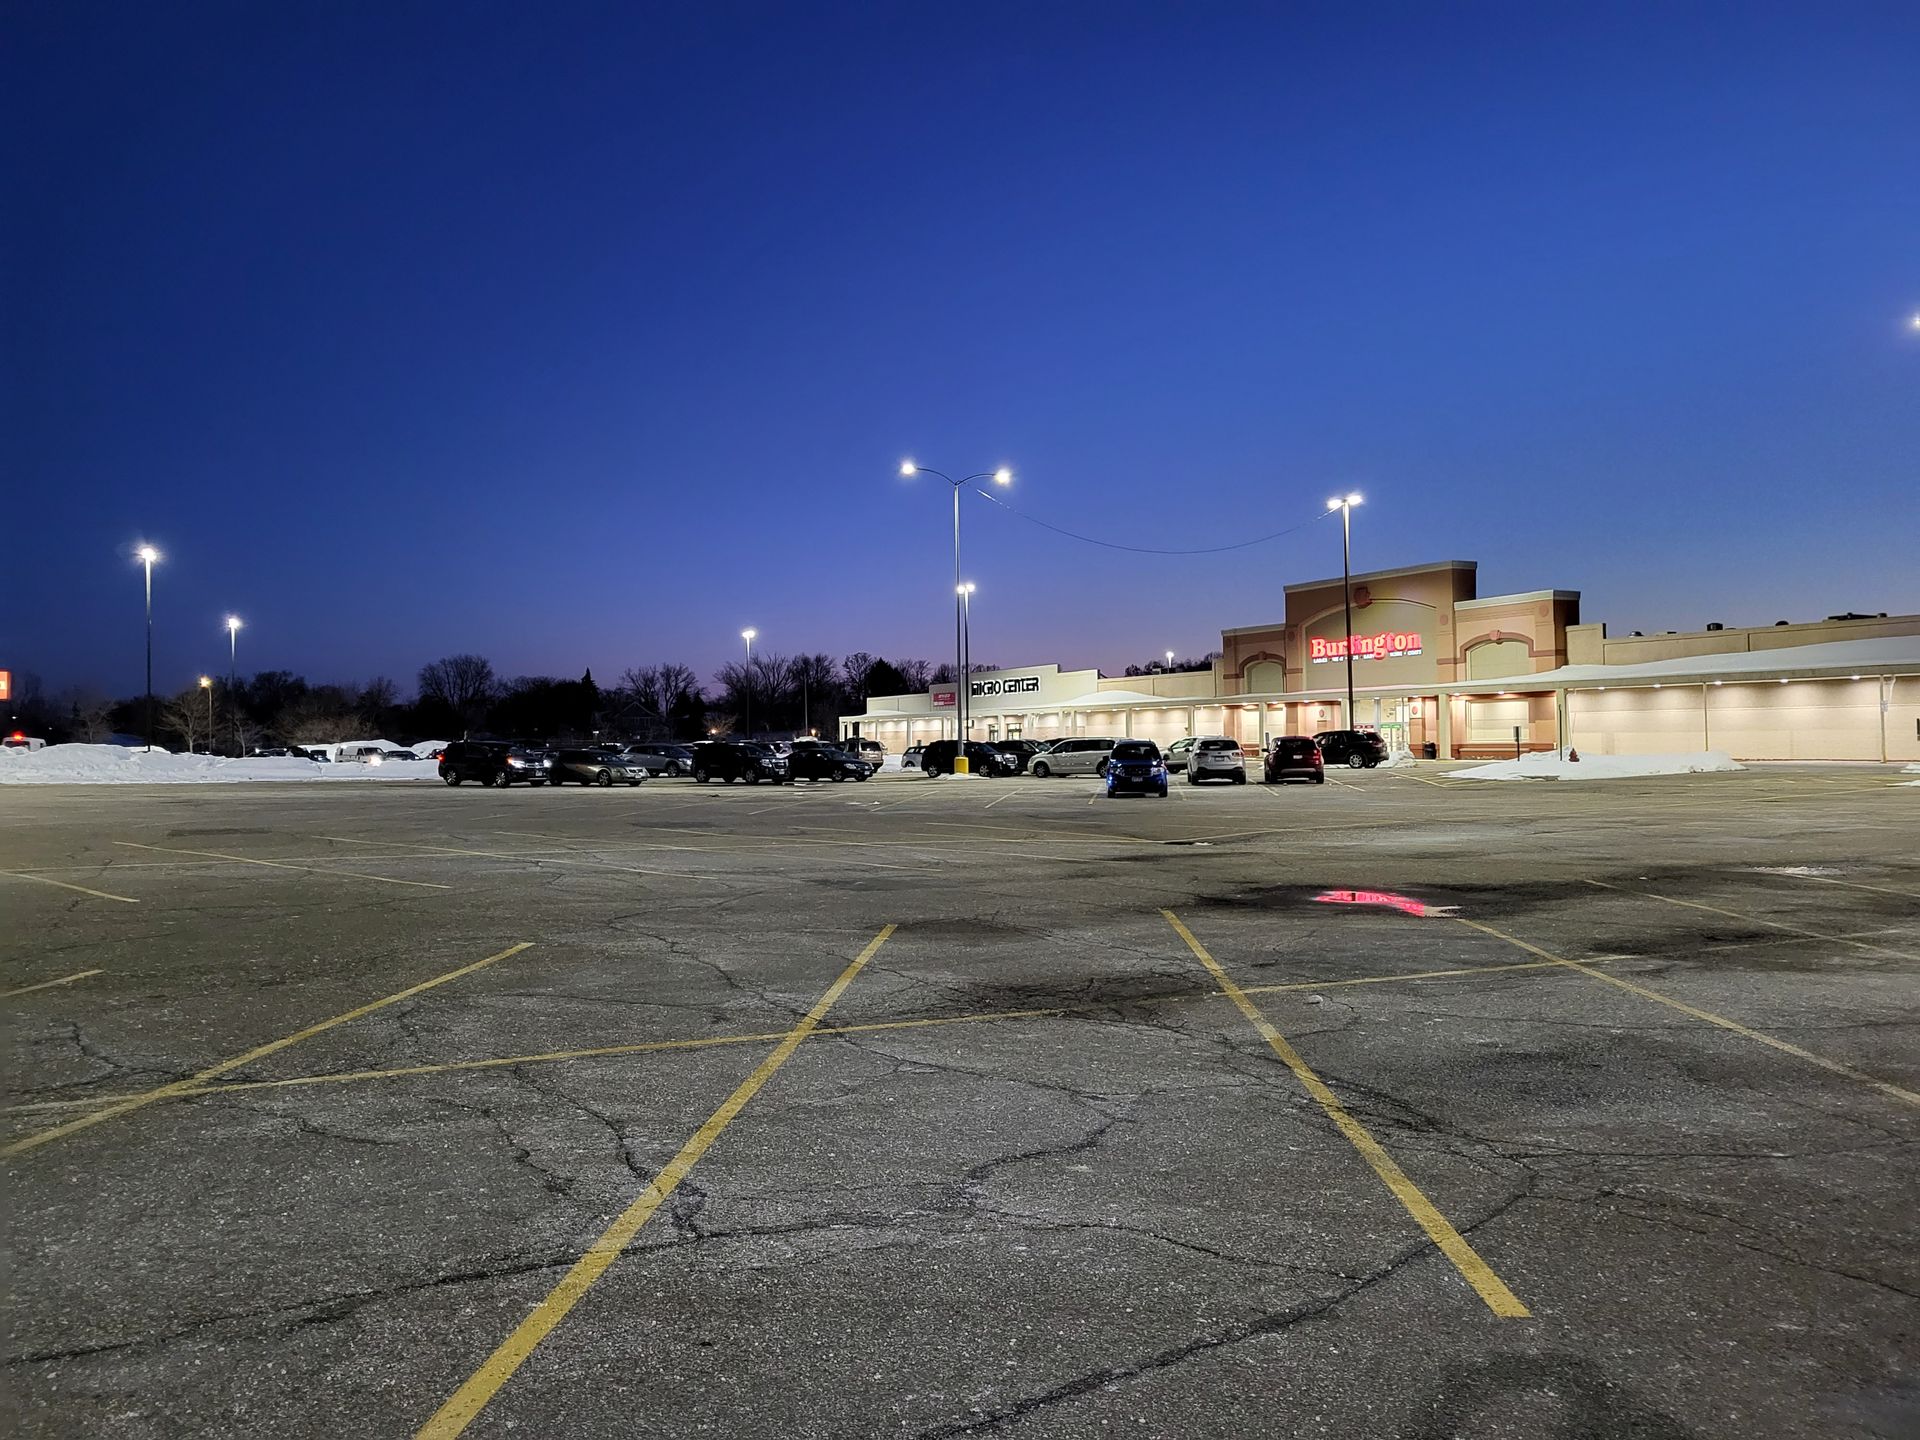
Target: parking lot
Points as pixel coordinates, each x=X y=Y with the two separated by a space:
x=1398 y=1106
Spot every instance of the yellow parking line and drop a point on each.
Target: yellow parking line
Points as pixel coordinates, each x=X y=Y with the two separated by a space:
x=1475 y=1271
x=97 y=894
x=48 y=984
x=259 y=1052
x=282 y=865
x=1757 y=920
x=1885 y=1087
x=470 y=1399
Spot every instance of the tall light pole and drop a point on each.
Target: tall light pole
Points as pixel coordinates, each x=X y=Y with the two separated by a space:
x=233 y=679
x=1345 y=506
x=206 y=684
x=1002 y=476
x=146 y=555
x=966 y=650
x=746 y=679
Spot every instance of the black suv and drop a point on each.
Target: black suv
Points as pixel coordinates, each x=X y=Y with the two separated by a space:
x=982 y=759
x=1356 y=749
x=492 y=762
x=812 y=760
x=732 y=760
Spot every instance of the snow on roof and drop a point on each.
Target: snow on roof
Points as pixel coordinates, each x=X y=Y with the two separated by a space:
x=1863 y=657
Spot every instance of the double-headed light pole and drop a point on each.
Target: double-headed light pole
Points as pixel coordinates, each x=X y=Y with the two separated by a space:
x=1002 y=476
x=1345 y=504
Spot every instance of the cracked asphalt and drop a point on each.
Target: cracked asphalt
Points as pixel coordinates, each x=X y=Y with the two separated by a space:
x=298 y=1140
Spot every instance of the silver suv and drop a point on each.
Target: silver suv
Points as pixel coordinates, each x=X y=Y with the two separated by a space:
x=1215 y=757
x=1080 y=756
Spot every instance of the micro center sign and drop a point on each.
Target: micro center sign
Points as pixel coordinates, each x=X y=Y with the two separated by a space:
x=1012 y=685
x=1387 y=645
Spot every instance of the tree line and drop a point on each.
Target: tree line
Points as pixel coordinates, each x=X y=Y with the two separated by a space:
x=462 y=695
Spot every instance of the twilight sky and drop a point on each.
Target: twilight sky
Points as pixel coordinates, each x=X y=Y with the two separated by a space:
x=589 y=334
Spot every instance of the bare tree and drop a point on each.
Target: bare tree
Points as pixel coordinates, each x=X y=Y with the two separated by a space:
x=187 y=715
x=463 y=683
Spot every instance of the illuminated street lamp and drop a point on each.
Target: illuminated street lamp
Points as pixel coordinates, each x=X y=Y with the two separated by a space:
x=206 y=684
x=234 y=624
x=1345 y=507
x=1002 y=476
x=146 y=555
x=746 y=679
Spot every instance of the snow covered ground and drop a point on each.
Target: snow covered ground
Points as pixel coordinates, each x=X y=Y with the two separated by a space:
x=117 y=765
x=1547 y=766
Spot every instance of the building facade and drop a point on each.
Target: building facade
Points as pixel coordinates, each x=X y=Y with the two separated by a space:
x=1437 y=664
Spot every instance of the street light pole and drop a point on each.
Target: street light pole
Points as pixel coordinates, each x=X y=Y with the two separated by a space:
x=746 y=680
x=206 y=684
x=1345 y=507
x=233 y=680
x=1002 y=476
x=146 y=555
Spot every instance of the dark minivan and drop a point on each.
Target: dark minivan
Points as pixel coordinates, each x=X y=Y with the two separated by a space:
x=492 y=762
x=732 y=760
x=1356 y=749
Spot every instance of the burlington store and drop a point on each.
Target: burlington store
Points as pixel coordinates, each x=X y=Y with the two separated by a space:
x=1436 y=664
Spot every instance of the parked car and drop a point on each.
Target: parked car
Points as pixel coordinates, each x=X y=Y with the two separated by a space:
x=814 y=760
x=1175 y=755
x=910 y=757
x=1083 y=755
x=1021 y=750
x=871 y=751
x=660 y=759
x=1357 y=749
x=732 y=760
x=1216 y=757
x=982 y=759
x=1295 y=757
x=493 y=762
x=595 y=767
x=1134 y=767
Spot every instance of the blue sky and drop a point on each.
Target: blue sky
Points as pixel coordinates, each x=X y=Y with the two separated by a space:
x=589 y=334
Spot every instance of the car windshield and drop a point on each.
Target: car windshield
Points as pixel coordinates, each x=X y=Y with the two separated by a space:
x=1136 y=750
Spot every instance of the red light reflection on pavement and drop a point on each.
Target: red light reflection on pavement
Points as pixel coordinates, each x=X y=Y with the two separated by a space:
x=1387 y=898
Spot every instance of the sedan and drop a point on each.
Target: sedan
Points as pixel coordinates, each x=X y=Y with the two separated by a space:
x=595 y=767
x=823 y=762
x=1135 y=768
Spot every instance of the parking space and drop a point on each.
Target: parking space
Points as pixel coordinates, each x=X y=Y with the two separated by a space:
x=1400 y=1106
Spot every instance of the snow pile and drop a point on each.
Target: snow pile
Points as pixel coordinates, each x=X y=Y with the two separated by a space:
x=1545 y=765
x=115 y=765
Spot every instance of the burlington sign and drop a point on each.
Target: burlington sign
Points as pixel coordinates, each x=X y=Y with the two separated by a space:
x=1387 y=645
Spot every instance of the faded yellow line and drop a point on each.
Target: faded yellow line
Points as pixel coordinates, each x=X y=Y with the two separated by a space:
x=1885 y=1087
x=702 y=1042
x=282 y=865
x=259 y=1052
x=48 y=984
x=470 y=1399
x=1475 y=1271
x=1757 y=920
x=97 y=894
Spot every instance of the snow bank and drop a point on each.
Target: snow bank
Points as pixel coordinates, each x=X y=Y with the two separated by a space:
x=115 y=765
x=1547 y=766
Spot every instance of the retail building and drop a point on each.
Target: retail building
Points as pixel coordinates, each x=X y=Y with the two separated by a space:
x=1435 y=663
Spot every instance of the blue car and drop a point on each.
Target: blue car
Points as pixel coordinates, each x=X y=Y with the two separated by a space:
x=1135 y=768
